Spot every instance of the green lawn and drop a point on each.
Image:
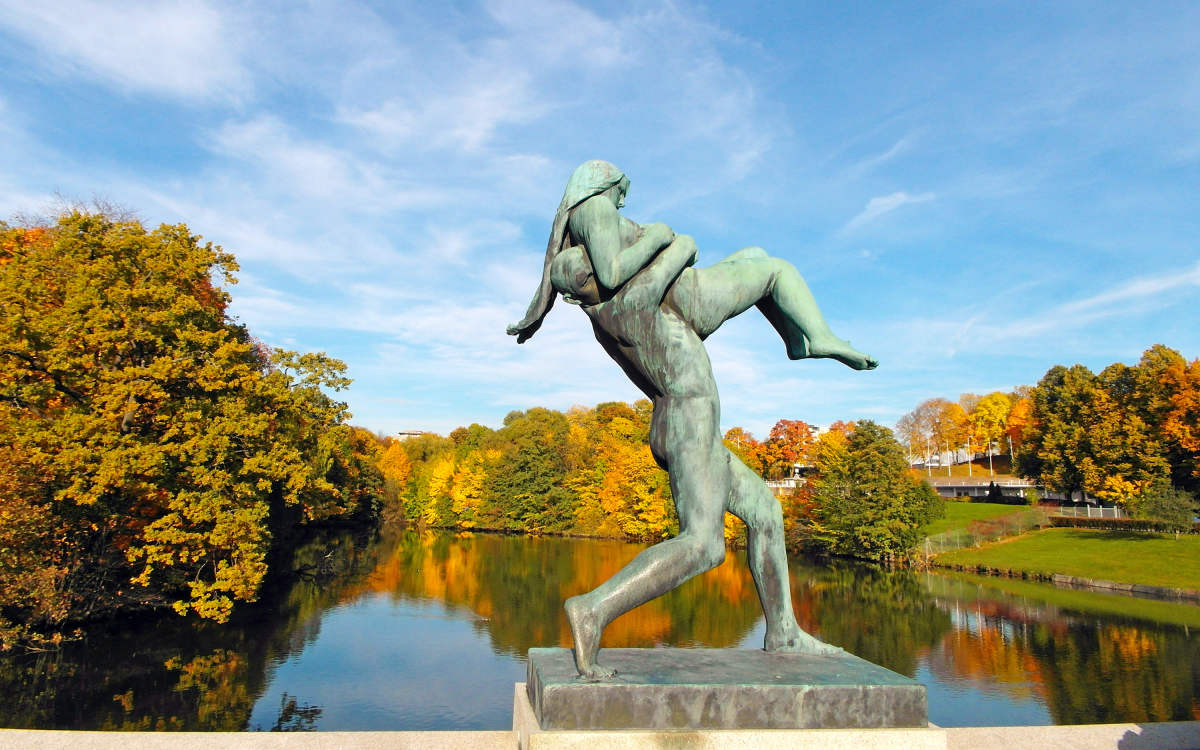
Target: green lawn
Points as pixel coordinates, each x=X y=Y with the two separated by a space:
x=1150 y=559
x=959 y=515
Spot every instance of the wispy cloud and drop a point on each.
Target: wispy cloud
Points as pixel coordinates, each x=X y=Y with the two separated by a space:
x=1123 y=299
x=983 y=332
x=185 y=49
x=871 y=163
x=883 y=205
x=386 y=174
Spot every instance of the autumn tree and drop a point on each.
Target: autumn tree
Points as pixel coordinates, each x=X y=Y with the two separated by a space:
x=989 y=421
x=1084 y=440
x=919 y=429
x=1181 y=422
x=789 y=443
x=588 y=471
x=743 y=445
x=621 y=491
x=156 y=446
x=865 y=502
x=395 y=466
x=950 y=428
x=1020 y=418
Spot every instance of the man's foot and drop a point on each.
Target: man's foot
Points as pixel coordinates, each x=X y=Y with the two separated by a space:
x=800 y=642
x=585 y=631
x=835 y=348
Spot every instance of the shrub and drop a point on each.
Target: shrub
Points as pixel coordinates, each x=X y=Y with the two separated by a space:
x=1120 y=524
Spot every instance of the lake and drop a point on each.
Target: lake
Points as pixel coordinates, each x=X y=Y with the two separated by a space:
x=420 y=631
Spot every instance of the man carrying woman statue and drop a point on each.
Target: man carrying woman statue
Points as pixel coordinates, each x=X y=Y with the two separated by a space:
x=651 y=311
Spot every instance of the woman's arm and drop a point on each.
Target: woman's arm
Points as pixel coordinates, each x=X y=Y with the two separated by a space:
x=650 y=287
x=596 y=224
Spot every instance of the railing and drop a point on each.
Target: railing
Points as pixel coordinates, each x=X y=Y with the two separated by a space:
x=1089 y=511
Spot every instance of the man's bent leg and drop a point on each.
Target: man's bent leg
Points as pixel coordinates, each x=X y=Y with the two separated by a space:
x=698 y=468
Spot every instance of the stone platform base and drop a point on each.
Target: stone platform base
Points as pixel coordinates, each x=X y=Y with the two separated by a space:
x=696 y=689
x=530 y=736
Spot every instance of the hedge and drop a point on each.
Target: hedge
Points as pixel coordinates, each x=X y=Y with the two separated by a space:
x=1120 y=524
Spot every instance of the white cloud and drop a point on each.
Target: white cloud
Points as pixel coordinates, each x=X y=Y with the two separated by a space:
x=1134 y=289
x=869 y=164
x=882 y=205
x=185 y=49
x=1124 y=299
x=464 y=118
x=439 y=92
x=981 y=332
x=315 y=169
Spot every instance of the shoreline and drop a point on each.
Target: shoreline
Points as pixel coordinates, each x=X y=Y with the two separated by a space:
x=1078 y=583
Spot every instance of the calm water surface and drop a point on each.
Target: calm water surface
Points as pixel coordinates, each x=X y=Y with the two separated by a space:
x=429 y=631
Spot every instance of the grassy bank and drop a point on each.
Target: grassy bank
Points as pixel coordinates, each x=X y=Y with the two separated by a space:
x=960 y=515
x=1148 y=559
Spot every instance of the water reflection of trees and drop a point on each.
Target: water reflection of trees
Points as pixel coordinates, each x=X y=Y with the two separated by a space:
x=884 y=616
x=177 y=674
x=182 y=675
x=1085 y=668
x=515 y=587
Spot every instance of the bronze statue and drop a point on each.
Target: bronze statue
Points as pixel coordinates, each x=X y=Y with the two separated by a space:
x=651 y=311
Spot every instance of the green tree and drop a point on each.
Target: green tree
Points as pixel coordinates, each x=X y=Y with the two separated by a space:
x=527 y=487
x=1174 y=507
x=867 y=503
x=153 y=440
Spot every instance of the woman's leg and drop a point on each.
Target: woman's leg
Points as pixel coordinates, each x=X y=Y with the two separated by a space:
x=699 y=472
x=707 y=297
x=752 y=502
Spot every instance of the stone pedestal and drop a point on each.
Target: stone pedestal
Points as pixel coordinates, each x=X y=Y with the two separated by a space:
x=717 y=689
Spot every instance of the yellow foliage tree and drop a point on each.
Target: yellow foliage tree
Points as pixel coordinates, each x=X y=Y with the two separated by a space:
x=467 y=489
x=158 y=441
x=989 y=420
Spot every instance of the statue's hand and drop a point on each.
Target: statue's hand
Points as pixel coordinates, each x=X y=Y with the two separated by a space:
x=661 y=232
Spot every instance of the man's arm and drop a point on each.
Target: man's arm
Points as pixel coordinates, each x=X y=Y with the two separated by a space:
x=596 y=223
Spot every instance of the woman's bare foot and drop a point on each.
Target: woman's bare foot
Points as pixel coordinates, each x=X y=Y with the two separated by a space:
x=799 y=642
x=585 y=631
x=832 y=347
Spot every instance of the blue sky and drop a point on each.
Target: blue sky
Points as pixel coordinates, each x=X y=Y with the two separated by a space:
x=974 y=191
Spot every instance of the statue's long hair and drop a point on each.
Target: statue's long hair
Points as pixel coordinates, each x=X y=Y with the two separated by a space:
x=589 y=179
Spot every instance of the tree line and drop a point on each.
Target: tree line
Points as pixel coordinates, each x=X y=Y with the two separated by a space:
x=589 y=472
x=1128 y=435
x=154 y=454
x=949 y=431
x=586 y=472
